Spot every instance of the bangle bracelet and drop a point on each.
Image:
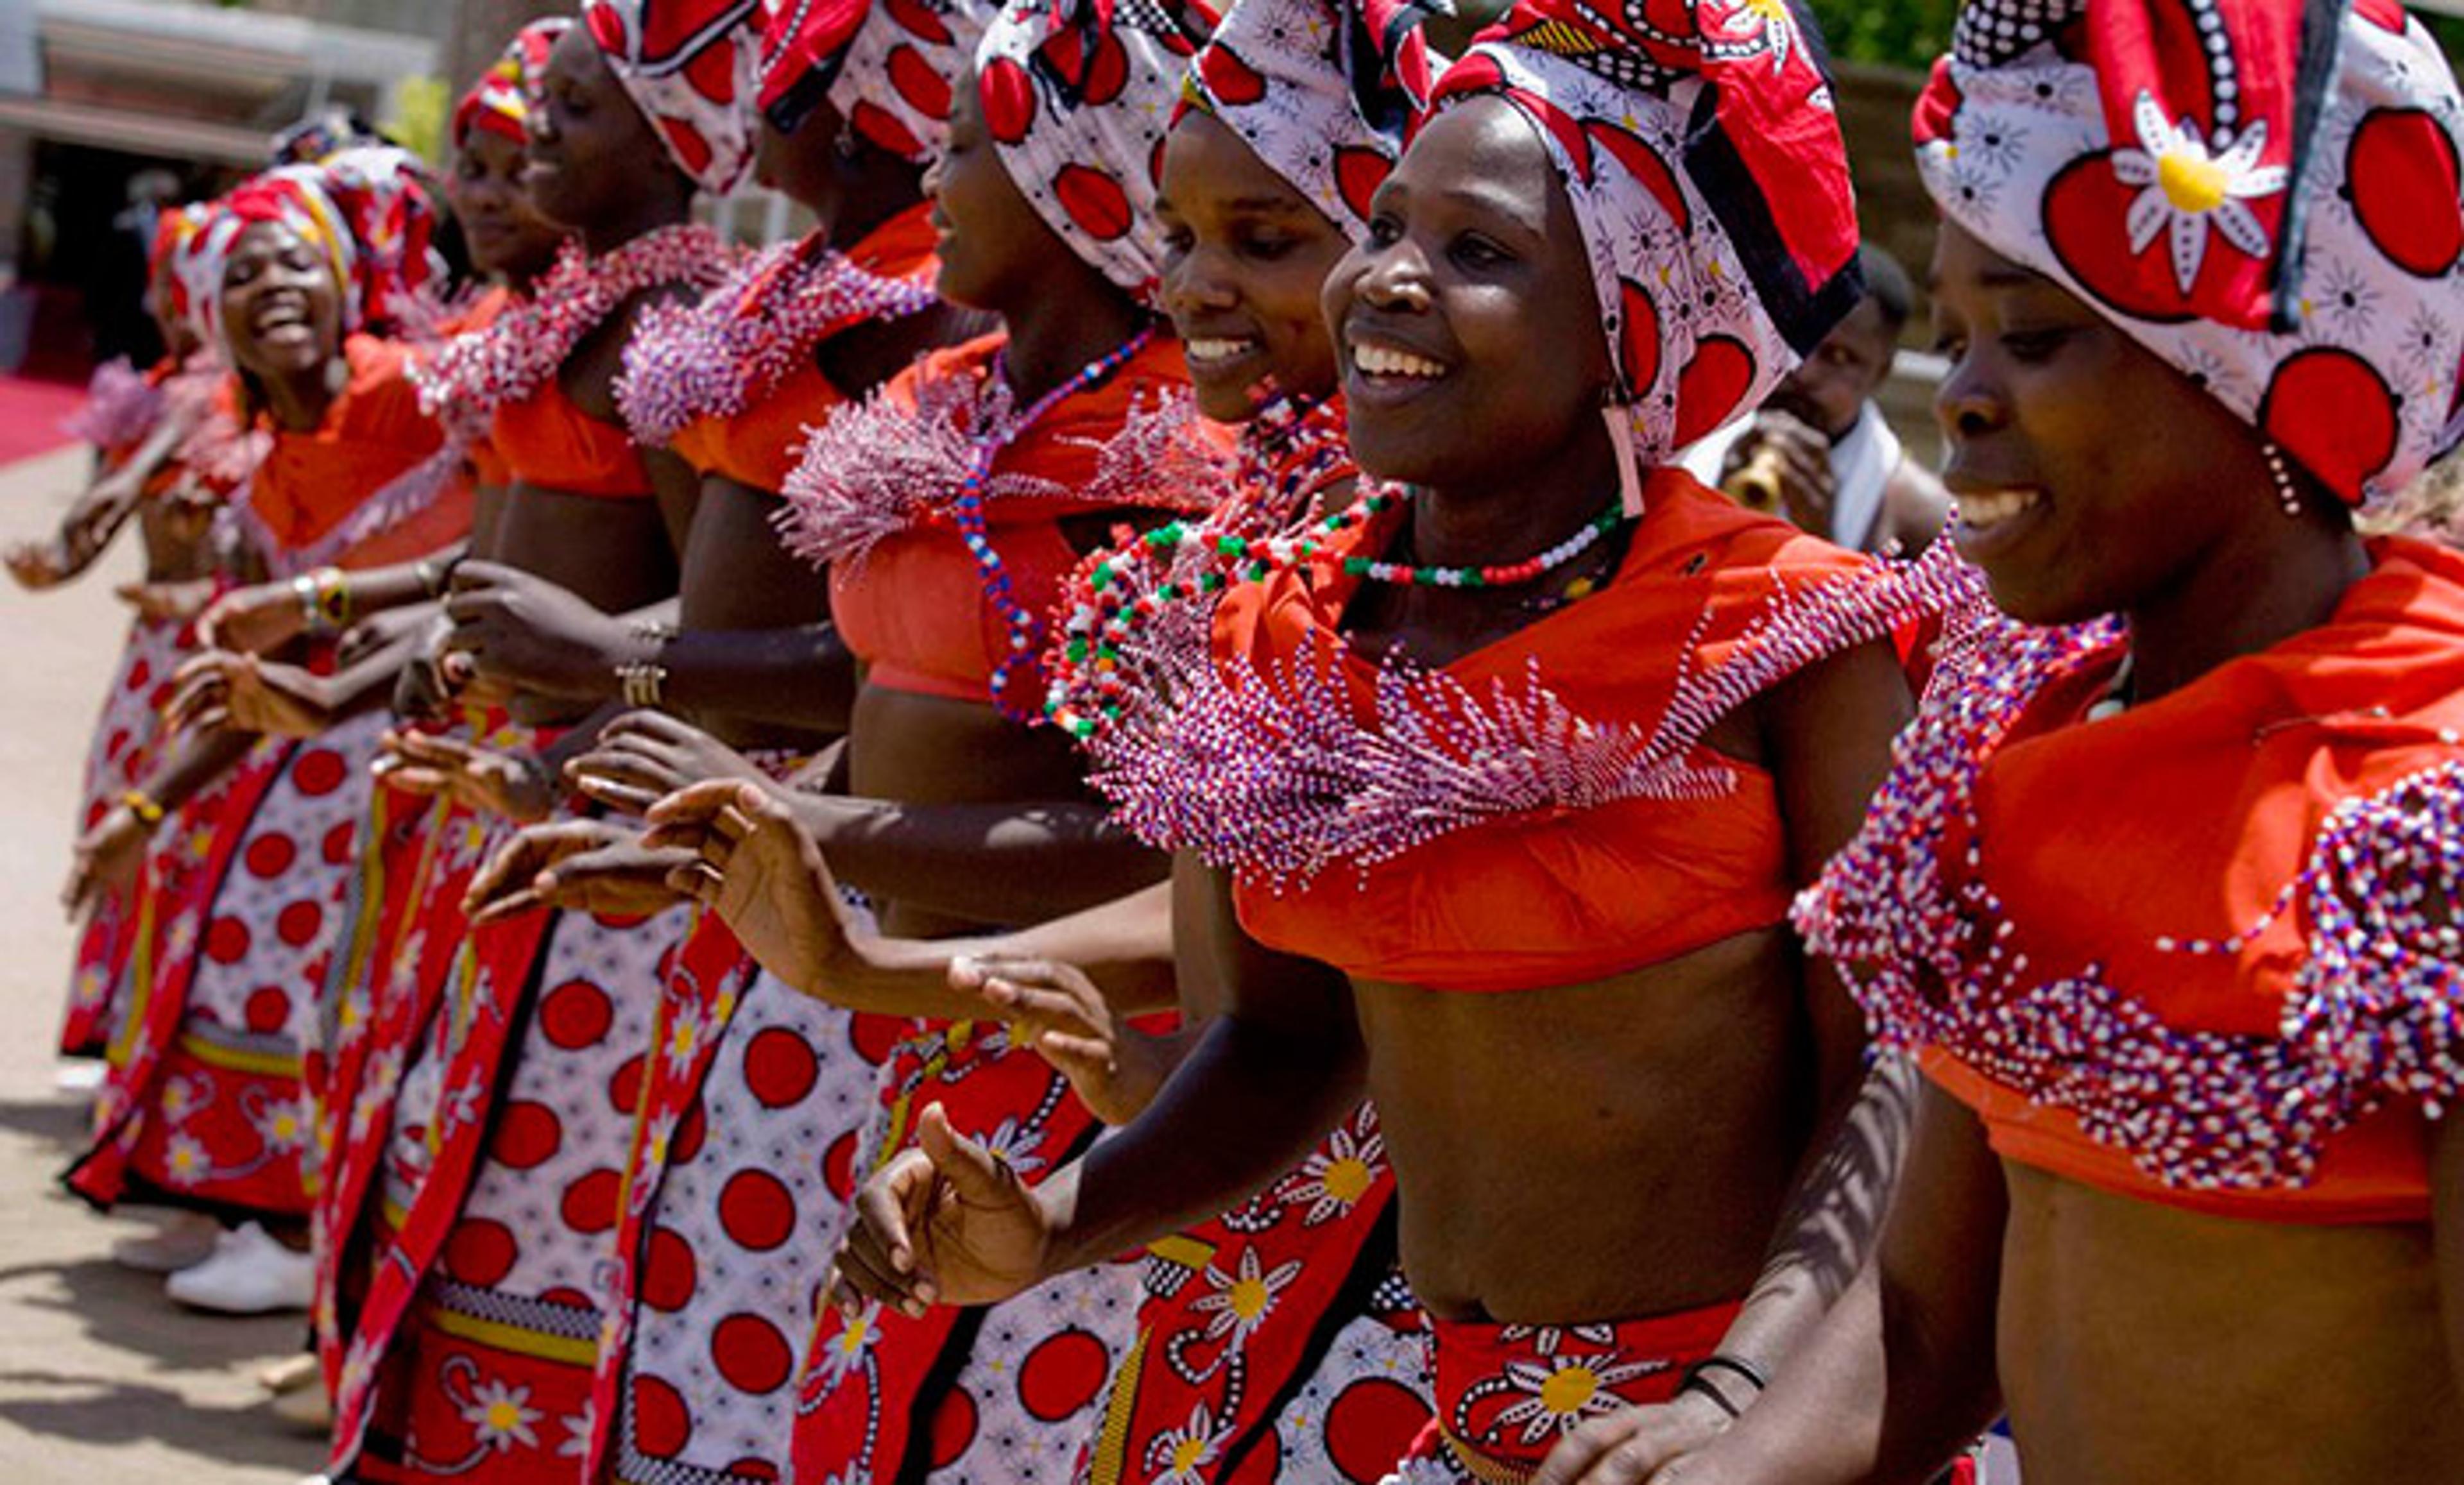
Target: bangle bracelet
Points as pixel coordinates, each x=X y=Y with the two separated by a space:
x=312 y=614
x=144 y=806
x=644 y=682
x=334 y=599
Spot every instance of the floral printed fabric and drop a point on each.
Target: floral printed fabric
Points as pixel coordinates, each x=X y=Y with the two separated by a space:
x=2150 y=156
x=690 y=66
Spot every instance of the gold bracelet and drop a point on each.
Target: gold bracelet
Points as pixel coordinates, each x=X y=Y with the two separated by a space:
x=144 y=806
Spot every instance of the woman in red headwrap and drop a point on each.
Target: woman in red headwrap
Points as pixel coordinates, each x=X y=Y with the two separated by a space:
x=497 y=1088
x=205 y=1107
x=725 y=1212
x=2162 y=890
x=948 y=508
x=1505 y=774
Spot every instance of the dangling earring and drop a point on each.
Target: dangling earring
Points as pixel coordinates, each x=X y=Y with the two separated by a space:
x=2288 y=495
x=1620 y=418
x=847 y=144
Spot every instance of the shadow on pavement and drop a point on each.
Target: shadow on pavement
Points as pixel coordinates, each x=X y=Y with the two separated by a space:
x=94 y=1411
x=125 y=1310
x=59 y=1121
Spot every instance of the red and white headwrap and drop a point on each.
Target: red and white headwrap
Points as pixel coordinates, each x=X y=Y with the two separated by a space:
x=691 y=66
x=389 y=200
x=369 y=209
x=2264 y=194
x=1077 y=95
x=887 y=66
x=1700 y=148
x=174 y=228
x=1321 y=90
x=501 y=102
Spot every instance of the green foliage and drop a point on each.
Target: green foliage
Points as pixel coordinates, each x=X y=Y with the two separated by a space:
x=418 y=118
x=1896 y=32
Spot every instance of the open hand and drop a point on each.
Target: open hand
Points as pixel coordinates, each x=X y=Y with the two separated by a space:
x=588 y=865
x=643 y=756
x=107 y=859
x=755 y=865
x=484 y=780
x=221 y=691
x=518 y=630
x=1634 y=1444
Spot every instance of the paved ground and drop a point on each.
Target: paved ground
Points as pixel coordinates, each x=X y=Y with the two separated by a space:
x=102 y=1381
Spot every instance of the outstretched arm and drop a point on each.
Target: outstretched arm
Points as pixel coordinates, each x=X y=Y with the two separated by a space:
x=945 y=1224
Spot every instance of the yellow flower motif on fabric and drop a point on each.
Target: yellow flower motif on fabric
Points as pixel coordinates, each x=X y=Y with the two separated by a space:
x=2188 y=188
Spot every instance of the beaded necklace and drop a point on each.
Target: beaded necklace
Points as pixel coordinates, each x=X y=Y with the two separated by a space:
x=1106 y=633
x=1023 y=627
x=512 y=359
x=717 y=358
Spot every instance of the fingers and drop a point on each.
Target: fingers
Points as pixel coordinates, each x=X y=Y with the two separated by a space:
x=877 y=1261
x=975 y=1176
x=715 y=805
x=623 y=798
x=699 y=881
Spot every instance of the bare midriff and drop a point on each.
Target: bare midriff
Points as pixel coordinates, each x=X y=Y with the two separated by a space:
x=912 y=749
x=740 y=576
x=611 y=554
x=2145 y=1344
x=1601 y=1151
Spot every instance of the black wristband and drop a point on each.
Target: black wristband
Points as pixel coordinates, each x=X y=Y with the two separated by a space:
x=1698 y=1380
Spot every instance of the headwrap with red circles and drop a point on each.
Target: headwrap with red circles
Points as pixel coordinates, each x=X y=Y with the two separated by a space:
x=2263 y=193
x=1077 y=95
x=1321 y=90
x=1698 y=144
x=691 y=66
x=887 y=66
x=501 y=102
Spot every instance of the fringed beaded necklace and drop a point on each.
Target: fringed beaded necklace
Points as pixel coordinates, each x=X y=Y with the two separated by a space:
x=513 y=357
x=880 y=468
x=717 y=358
x=1316 y=758
x=1993 y=971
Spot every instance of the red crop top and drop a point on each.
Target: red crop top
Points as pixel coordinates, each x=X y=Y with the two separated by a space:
x=310 y=483
x=544 y=440
x=913 y=608
x=1542 y=812
x=2192 y=952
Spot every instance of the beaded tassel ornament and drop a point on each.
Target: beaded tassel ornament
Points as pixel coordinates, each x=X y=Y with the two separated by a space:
x=121 y=406
x=512 y=359
x=717 y=358
x=2376 y=1010
x=877 y=468
x=1301 y=778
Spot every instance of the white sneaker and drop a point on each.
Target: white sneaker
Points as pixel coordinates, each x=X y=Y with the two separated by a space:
x=181 y=1240
x=79 y=1076
x=250 y=1273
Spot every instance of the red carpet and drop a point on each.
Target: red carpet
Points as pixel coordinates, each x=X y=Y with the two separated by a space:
x=31 y=413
